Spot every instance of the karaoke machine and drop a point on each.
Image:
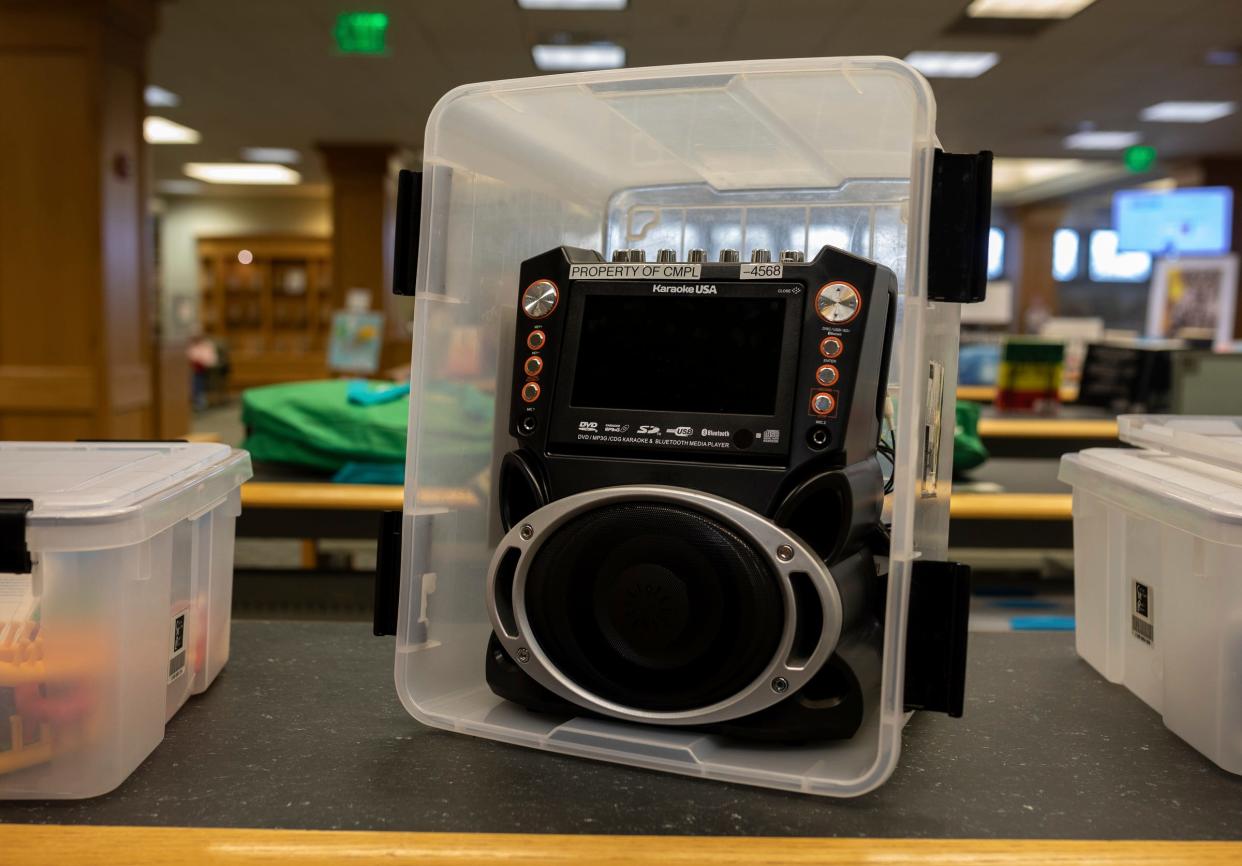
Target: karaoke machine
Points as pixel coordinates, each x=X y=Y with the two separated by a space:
x=688 y=514
x=692 y=513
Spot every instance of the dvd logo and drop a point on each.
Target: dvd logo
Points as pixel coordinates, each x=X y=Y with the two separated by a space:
x=588 y=426
x=648 y=429
x=681 y=431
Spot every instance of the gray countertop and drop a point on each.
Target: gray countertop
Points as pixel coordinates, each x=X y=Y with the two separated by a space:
x=303 y=730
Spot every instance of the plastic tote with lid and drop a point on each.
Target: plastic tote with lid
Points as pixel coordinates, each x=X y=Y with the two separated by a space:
x=779 y=154
x=116 y=582
x=1158 y=572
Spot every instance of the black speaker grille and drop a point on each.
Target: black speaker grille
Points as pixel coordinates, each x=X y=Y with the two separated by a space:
x=654 y=606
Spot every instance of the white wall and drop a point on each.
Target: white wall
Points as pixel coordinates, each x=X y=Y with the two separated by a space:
x=186 y=218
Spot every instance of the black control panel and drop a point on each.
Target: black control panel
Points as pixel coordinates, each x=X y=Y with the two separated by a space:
x=762 y=363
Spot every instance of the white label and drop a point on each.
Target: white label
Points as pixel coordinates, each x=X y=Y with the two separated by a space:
x=1143 y=611
x=763 y=271
x=931 y=430
x=177 y=654
x=635 y=271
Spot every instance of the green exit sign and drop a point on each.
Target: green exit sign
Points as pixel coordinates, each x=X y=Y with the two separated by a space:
x=1139 y=158
x=361 y=32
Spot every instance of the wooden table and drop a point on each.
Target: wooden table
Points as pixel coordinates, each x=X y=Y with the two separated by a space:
x=182 y=846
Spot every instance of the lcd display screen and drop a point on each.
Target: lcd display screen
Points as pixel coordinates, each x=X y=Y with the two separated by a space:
x=685 y=354
x=1189 y=221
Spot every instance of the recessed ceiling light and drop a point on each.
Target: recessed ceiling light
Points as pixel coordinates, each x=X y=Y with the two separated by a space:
x=160 y=130
x=570 y=58
x=242 y=172
x=1100 y=139
x=286 y=155
x=179 y=186
x=1026 y=8
x=1187 y=112
x=575 y=5
x=952 y=64
x=158 y=97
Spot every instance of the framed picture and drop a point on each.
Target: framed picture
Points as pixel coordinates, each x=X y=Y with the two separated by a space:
x=1194 y=295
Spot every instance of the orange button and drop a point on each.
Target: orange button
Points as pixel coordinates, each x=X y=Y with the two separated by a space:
x=536 y=339
x=534 y=366
x=822 y=403
x=831 y=347
x=827 y=375
x=530 y=392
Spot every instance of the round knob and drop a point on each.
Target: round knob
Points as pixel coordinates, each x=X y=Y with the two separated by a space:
x=793 y=256
x=540 y=298
x=831 y=347
x=620 y=255
x=666 y=255
x=728 y=255
x=530 y=392
x=837 y=303
x=638 y=255
x=826 y=375
x=822 y=403
x=696 y=256
x=536 y=340
x=534 y=366
x=759 y=254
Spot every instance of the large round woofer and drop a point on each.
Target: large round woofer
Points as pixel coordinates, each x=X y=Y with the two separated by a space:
x=654 y=606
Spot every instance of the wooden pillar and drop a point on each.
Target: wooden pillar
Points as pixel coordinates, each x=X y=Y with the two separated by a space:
x=1227 y=171
x=76 y=335
x=362 y=185
x=1035 y=290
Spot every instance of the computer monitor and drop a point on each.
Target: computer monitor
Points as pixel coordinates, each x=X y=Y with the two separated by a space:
x=1192 y=221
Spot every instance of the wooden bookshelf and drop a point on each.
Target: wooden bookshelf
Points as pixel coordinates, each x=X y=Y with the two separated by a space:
x=272 y=313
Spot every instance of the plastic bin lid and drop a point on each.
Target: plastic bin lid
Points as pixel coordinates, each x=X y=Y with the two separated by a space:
x=84 y=480
x=1213 y=439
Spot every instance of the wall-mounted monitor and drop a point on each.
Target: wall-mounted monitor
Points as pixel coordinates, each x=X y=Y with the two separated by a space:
x=1191 y=221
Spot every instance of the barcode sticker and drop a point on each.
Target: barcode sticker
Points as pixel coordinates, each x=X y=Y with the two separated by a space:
x=176 y=658
x=1142 y=614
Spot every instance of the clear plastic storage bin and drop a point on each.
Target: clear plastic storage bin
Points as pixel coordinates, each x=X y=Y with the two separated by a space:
x=124 y=612
x=782 y=154
x=1158 y=572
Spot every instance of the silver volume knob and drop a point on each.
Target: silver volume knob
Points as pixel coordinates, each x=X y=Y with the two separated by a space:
x=620 y=255
x=540 y=298
x=793 y=256
x=837 y=303
x=666 y=255
x=638 y=255
x=759 y=254
x=728 y=255
x=696 y=256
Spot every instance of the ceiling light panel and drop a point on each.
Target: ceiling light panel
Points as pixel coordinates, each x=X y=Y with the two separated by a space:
x=952 y=64
x=1187 y=111
x=286 y=155
x=161 y=130
x=1097 y=139
x=575 y=5
x=242 y=173
x=1026 y=8
x=575 y=58
x=158 y=97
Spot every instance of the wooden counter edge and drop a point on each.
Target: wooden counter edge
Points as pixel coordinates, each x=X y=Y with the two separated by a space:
x=1104 y=429
x=177 y=846
x=380 y=497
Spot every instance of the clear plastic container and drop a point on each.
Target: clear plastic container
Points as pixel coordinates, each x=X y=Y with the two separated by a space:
x=125 y=612
x=1158 y=572
x=783 y=154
